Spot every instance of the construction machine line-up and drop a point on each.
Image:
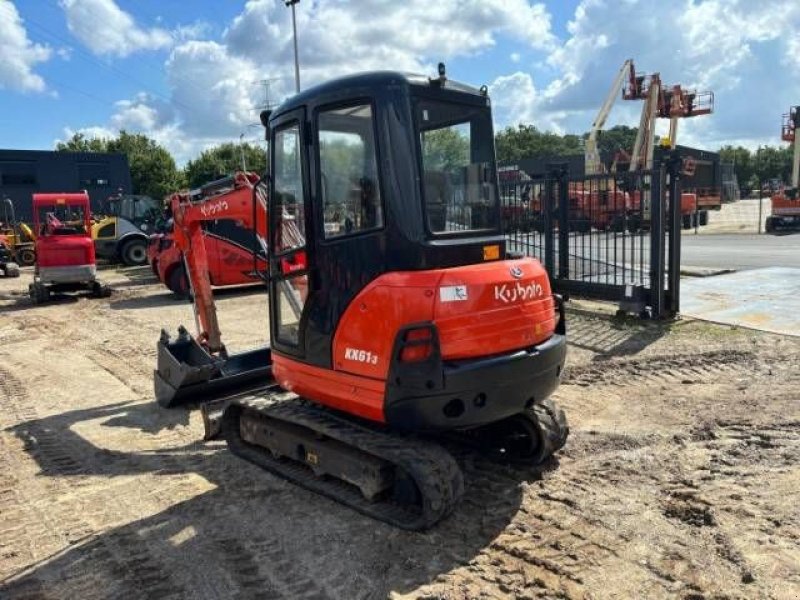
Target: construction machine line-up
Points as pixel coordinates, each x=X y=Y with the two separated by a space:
x=397 y=315
x=785 y=213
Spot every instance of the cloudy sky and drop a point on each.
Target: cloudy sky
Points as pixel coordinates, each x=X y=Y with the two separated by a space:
x=191 y=73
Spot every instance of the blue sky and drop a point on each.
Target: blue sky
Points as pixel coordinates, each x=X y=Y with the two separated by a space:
x=187 y=73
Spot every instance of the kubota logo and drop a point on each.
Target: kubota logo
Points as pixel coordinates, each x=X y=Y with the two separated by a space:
x=511 y=293
x=210 y=210
x=516 y=272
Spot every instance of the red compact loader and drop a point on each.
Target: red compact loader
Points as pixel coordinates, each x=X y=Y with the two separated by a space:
x=65 y=259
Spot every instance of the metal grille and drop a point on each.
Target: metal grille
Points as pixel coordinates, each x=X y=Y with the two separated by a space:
x=601 y=236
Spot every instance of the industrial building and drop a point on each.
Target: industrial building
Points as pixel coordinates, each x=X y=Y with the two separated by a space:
x=25 y=172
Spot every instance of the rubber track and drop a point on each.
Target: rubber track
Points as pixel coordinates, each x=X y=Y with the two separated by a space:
x=434 y=470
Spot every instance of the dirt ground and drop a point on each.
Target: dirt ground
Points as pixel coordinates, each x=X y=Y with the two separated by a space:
x=680 y=478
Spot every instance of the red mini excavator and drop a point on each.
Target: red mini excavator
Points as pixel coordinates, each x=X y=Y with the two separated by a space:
x=397 y=314
x=229 y=241
x=65 y=258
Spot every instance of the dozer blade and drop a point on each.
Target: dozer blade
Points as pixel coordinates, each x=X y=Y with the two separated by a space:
x=185 y=370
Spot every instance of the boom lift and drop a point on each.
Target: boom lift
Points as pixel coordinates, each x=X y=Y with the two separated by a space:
x=664 y=102
x=395 y=309
x=786 y=203
x=592 y=160
x=197 y=367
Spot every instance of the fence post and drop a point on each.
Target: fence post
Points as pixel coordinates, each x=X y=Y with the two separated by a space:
x=657 y=230
x=563 y=223
x=556 y=173
x=675 y=233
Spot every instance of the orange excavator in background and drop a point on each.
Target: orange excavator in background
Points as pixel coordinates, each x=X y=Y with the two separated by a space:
x=786 y=203
x=213 y=368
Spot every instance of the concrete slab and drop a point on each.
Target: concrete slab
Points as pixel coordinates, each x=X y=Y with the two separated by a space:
x=765 y=299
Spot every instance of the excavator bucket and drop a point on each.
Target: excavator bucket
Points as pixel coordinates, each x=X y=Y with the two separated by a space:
x=185 y=370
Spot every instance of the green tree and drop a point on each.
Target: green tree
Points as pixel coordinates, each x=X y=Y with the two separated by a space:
x=743 y=164
x=445 y=149
x=223 y=160
x=526 y=141
x=153 y=170
x=773 y=163
x=80 y=143
x=619 y=137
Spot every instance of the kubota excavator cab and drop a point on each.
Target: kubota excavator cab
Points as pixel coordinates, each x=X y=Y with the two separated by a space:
x=392 y=294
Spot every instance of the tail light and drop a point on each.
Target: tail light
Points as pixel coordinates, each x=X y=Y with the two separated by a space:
x=417 y=344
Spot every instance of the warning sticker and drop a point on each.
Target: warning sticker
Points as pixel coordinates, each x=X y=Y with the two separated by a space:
x=453 y=293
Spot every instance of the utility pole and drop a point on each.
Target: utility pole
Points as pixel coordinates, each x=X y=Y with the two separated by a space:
x=296 y=59
x=267 y=83
x=241 y=149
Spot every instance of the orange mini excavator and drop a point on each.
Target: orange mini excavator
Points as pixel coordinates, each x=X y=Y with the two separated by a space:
x=397 y=314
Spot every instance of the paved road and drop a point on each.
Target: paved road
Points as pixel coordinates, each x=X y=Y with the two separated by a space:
x=593 y=256
x=737 y=251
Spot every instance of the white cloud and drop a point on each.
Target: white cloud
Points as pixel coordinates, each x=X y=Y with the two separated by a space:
x=214 y=92
x=143 y=113
x=731 y=47
x=340 y=36
x=106 y=29
x=18 y=55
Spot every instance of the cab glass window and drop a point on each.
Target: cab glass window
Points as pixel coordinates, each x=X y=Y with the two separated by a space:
x=351 y=195
x=289 y=232
x=458 y=166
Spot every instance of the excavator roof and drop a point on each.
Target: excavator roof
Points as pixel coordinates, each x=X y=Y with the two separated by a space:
x=369 y=84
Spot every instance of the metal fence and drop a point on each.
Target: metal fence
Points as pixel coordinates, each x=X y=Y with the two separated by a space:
x=607 y=236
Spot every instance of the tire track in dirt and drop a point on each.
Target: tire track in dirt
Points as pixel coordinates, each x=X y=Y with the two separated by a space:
x=66 y=472
x=708 y=367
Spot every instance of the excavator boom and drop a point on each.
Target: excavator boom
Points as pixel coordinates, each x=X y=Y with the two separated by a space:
x=201 y=365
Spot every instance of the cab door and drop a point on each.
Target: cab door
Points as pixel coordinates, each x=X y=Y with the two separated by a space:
x=288 y=247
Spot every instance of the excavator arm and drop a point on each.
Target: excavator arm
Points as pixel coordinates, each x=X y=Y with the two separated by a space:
x=201 y=368
x=244 y=202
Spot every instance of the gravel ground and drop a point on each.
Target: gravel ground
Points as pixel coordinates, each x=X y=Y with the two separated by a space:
x=679 y=480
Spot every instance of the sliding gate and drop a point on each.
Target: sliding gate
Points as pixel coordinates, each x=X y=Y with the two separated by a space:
x=611 y=237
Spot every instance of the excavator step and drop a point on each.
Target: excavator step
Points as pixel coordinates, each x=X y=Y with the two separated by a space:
x=186 y=371
x=403 y=480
